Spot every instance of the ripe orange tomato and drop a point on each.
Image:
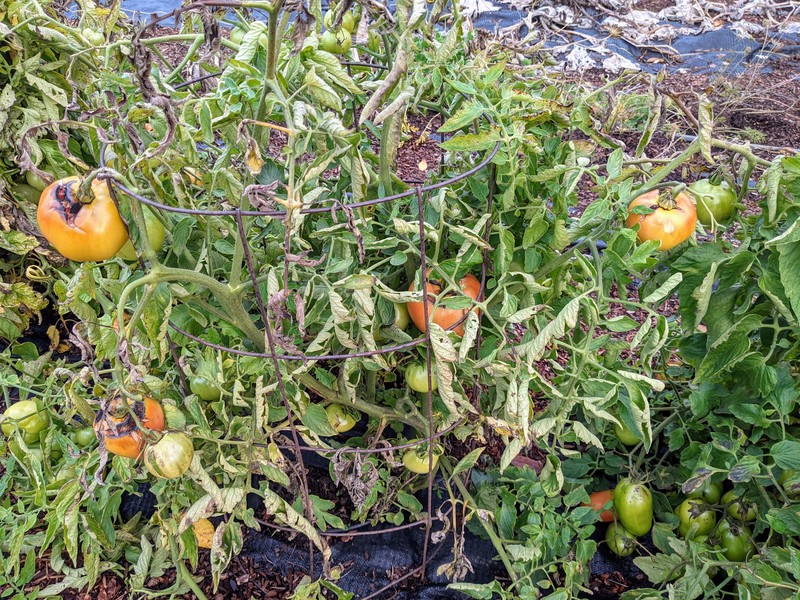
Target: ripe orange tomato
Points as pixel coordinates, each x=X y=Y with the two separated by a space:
x=598 y=500
x=81 y=232
x=443 y=317
x=117 y=426
x=670 y=223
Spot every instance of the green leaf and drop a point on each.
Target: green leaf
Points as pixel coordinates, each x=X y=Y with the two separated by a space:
x=788 y=261
x=468 y=461
x=786 y=454
x=468 y=113
x=472 y=141
x=316 y=419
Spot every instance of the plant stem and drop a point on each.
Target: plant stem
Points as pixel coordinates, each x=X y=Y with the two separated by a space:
x=487 y=527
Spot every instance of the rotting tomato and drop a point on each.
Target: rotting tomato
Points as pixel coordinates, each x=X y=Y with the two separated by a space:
x=203 y=532
x=736 y=541
x=336 y=42
x=340 y=418
x=443 y=317
x=118 y=427
x=696 y=518
x=739 y=509
x=634 y=505
x=620 y=541
x=671 y=222
x=28 y=417
x=598 y=500
x=625 y=435
x=155 y=233
x=417 y=378
x=81 y=231
x=710 y=492
x=170 y=456
x=416 y=460
x=714 y=200
x=204 y=389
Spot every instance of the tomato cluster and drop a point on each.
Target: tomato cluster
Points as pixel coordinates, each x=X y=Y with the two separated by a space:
x=698 y=520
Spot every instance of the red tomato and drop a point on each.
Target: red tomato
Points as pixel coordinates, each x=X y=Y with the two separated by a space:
x=598 y=500
x=443 y=317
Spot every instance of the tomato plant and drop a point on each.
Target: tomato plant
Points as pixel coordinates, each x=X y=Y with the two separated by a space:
x=620 y=541
x=716 y=202
x=696 y=518
x=81 y=229
x=115 y=424
x=340 y=418
x=671 y=221
x=171 y=456
x=442 y=316
x=27 y=417
x=417 y=378
x=634 y=505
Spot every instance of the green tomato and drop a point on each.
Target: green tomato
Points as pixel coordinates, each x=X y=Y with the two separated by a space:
x=83 y=437
x=25 y=194
x=417 y=378
x=718 y=201
x=237 y=35
x=620 y=541
x=349 y=21
x=634 y=505
x=625 y=435
x=401 y=321
x=736 y=541
x=21 y=455
x=340 y=418
x=204 y=389
x=155 y=233
x=696 y=518
x=95 y=38
x=28 y=417
x=710 y=492
x=337 y=42
x=35 y=181
x=171 y=456
x=416 y=460
x=739 y=509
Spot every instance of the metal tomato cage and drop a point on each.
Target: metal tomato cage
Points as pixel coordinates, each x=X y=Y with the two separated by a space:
x=327 y=205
